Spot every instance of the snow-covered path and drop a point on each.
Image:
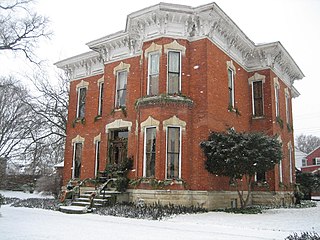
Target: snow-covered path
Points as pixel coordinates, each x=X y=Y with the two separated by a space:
x=36 y=224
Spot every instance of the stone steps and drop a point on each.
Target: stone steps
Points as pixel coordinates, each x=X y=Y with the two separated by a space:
x=81 y=204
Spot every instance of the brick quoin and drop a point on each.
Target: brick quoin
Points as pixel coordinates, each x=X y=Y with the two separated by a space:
x=204 y=80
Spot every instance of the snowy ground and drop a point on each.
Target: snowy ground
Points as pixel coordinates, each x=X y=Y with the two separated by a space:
x=36 y=224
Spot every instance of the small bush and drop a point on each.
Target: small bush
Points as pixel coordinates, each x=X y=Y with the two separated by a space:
x=43 y=203
x=304 y=236
x=248 y=210
x=152 y=212
x=49 y=184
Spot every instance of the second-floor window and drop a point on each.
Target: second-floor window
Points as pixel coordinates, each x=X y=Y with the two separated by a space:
x=257 y=98
x=100 y=103
x=231 y=87
x=277 y=102
x=153 y=74
x=121 y=90
x=174 y=68
x=81 y=104
x=288 y=117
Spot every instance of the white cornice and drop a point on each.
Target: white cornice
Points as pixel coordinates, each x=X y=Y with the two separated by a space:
x=185 y=22
x=83 y=65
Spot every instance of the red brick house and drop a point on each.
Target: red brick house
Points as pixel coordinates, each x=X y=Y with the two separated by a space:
x=312 y=162
x=155 y=91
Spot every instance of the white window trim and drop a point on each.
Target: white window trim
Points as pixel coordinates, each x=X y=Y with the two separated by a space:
x=180 y=147
x=180 y=58
x=252 y=96
x=144 y=149
x=317 y=161
x=149 y=65
x=116 y=97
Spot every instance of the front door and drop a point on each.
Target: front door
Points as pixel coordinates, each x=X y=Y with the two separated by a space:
x=118 y=140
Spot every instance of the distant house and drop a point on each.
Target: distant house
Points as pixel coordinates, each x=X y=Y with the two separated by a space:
x=312 y=161
x=300 y=158
x=155 y=91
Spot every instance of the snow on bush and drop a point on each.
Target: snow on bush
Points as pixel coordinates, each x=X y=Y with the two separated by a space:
x=304 y=236
x=152 y=212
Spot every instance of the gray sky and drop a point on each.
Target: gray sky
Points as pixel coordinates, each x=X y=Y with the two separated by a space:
x=292 y=22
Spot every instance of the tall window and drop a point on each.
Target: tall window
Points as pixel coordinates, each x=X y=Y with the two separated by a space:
x=280 y=171
x=277 y=102
x=150 y=152
x=174 y=67
x=77 y=158
x=121 y=89
x=290 y=163
x=261 y=176
x=288 y=117
x=231 y=87
x=97 y=158
x=81 y=104
x=100 y=103
x=153 y=74
x=173 y=152
x=257 y=98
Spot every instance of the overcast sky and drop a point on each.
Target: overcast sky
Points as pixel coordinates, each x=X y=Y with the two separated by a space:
x=292 y=22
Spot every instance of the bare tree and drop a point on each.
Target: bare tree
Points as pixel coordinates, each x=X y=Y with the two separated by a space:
x=21 y=28
x=15 y=117
x=307 y=143
x=48 y=129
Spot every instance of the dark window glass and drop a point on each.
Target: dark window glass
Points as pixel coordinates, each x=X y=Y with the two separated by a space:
x=77 y=160
x=257 y=99
x=173 y=152
x=82 y=92
x=150 y=151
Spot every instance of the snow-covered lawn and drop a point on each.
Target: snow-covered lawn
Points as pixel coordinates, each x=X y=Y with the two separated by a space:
x=36 y=224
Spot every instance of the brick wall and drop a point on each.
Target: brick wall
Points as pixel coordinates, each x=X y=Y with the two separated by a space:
x=205 y=81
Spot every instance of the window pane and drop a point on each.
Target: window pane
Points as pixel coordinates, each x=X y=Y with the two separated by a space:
x=100 y=106
x=173 y=83
x=81 y=102
x=277 y=101
x=154 y=64
x=173 y=152
x=153 y=84
x=261 y=177
x=97 y=163
x=121 y=89
x=174 y=62
x=257 y=98
x=122 y=80
x=150 y=151
x=231 y=87
x=77 y=160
